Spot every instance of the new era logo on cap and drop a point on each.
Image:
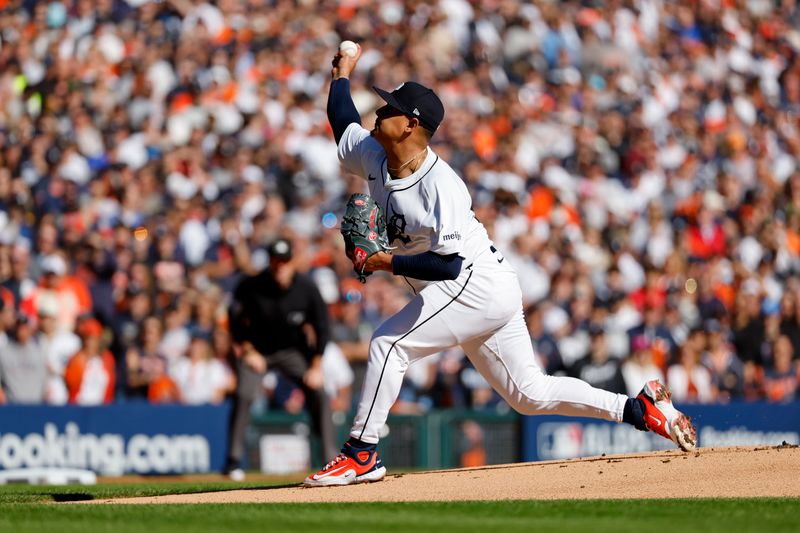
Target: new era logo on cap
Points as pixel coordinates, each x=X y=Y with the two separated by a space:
x=415 y=99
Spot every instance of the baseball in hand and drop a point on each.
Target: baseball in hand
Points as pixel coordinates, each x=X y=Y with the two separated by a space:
x=348 y=48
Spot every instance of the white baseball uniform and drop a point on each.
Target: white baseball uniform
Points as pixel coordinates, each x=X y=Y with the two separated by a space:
x=481 y=310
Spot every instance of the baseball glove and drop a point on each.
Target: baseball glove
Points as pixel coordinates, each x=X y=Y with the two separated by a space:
x=364 y=231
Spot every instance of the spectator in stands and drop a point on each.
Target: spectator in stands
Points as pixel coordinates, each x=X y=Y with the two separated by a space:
x=727 y=371
x=655 y=333
x=176 y=338
x=790 y=319
x=544 y=344
x=71 y=293
x=706 y=237
x=457 y=384
x=599 y=370
x=350 y=331
x=23 y=365
x=709 y=304
x=19 y=281
x=415 y=394
x=144 y=363
x=97 y=268
x=472 y=450
x=7 y=314
x=133 y=309
x=90 y=374
x=59 y=347
x=202 y=378
x=749 y=324
x=468 y=388
x=688 y=380
x=169 y=265
x=782 y=377
x=639 y=367
x=206 y=310
x=615 y=142
x=338 y=378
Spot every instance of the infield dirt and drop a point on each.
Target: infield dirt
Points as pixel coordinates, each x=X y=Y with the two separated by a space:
x=751 y=471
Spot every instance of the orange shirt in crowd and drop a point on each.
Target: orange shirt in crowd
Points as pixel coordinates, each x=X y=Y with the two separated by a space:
x=73 y=296
x=782 y=388
x=542 y=204
x=793 y=242
x=90 y=379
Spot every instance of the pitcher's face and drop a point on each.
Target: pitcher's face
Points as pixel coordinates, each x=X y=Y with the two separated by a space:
x=390 y=124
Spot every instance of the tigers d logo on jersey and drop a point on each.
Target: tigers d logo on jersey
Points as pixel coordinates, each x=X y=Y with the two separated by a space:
x=396 y=228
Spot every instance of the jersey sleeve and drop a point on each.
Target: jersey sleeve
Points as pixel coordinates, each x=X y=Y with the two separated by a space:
x=449 y=215
x=357 y=150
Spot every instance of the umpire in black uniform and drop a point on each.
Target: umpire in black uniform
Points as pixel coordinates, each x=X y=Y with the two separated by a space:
x=279 y=320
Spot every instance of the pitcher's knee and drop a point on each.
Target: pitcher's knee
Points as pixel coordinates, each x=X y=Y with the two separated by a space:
x=531 y=398
x=382 y=346
x=530 y=407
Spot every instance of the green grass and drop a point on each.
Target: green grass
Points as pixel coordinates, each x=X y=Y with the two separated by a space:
x=22 y=510
x=46 y=494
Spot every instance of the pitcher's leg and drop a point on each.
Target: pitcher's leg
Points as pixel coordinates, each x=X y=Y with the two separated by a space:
x=507 y=361
x=418 y=330
x=441 y=316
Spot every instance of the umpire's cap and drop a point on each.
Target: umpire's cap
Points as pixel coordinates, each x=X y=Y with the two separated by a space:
x=416 y=100
x=280 y=249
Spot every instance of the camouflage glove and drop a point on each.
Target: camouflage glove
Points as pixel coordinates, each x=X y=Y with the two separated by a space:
x=364 y=232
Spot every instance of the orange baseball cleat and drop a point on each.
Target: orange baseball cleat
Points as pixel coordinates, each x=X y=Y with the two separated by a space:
x=661 y=417
x=350 y=466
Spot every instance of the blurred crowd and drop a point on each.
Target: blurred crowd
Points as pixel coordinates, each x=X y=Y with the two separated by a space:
x=637 y=161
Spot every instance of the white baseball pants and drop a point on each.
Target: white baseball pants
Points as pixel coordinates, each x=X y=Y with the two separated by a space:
x=481 y=311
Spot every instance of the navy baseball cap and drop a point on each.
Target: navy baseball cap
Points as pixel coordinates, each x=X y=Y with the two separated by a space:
x=416 y=100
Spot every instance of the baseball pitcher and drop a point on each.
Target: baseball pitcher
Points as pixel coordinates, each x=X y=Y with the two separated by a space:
x=467 y=293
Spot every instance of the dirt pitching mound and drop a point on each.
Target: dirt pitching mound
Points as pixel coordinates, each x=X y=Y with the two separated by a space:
x=707 y=472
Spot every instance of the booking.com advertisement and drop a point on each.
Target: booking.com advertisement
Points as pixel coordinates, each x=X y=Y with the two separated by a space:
x=116 y=439
x=736 y=424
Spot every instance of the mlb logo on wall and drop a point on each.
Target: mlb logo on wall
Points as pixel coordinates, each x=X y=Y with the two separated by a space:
x=567 y=440
x=560 y=441
x=734 y=424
